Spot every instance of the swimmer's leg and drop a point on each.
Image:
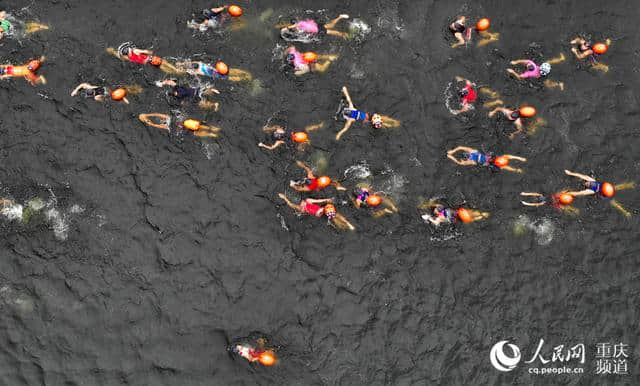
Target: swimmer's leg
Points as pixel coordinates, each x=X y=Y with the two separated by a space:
x=488 y=37
x=553 y=84
x=460 y=38
x=535 y=125
x=626 y=185
x=346 y=127
x=620 y=208
x=238 y=24
x=170 y=68
x=32 y=27
x=209 y=105
x=134 y=89
x=491 y=104
x=332 y=32
x=314 y=127
x=329 y=57
x=601 y=67
x=512 y=72
x=489 y=92
x=477 y=215
x=557 y=59
x=113 y=51
x=321 y=67
x=237 y=75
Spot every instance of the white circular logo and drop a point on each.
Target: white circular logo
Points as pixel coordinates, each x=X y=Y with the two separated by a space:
x=502 y=361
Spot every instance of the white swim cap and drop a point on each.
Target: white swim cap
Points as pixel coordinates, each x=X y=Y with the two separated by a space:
x=545 y=69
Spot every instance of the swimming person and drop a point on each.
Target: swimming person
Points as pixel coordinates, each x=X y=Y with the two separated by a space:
x=281 y=136
x=128 y=52
x=218 y=71
x=561 y=200
x=308 y=30
x=259 y=353
x=535 y=72
x=214 y=18
x=304 y=63
x=468 y=95
x=474 y=157
x=99 y=93
x=27 y=71
x=440 y=214
x=350 y=114
x=364 y=197
x=515 y=116
x=11 y=27
x=312 y=183
x=320 y=208
x=583 y=48
x=163 y=121
x=461 y=32
x=187 y=92
x=601 y=188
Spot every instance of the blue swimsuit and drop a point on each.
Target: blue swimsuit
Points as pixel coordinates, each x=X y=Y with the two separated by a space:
x=479 y=158
x=354 y=114
x=595 y=186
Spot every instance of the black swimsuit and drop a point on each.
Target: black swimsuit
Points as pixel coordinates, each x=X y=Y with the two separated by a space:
x=92 y=93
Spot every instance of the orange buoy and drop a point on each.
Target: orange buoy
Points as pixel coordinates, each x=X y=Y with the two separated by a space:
x=299 y=137
x=464 y=215
x=483 y=24
x=527 y=111
x=156 y=61
x=374 y=200
x=310 y=57
x=191 y=124
x=599 y=48
x=501 y=161
x=565 y=198
x=222 y=68
x=235 y=11
x=118 y=94
x=607 y=189
x=267 y=358
x=324 y=181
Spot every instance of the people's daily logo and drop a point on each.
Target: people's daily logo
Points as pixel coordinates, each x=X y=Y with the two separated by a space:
x=499 y=358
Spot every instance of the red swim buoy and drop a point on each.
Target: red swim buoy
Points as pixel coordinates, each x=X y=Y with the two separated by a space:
x=222 y=68
x=527 y=111
x=599 y=48
x=191 y=124
x=565 y=198
x=483 y=24
x=310 y=57
x=235 y=11
x=156 y=61
x=464 y=215
x=607 y=190
x=501 y=161
x=374 y=200
x=118 y=94
x=324 y=181
x=267 y=358
x=299 y=137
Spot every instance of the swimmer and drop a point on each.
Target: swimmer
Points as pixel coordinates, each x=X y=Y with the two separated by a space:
x=185 y=92
x=363 y=197
x=312 y=183
x=511 y=115
x=218 y=71
x=583 y=48
x=534 y=71
x=210 y=18
x=561 y=200
x=99 y=93
x=27 y=71
x=302 y=65
x=461 y=32
x=350 y=114
x=256 y=354
x=281 y=136
x=10 y=27
x=603 y=189
x=473 y=157
x=440 y=214
x=468 y=96
x=319 y=208
x=126 y=51
x=307 y=30
x=163 y=121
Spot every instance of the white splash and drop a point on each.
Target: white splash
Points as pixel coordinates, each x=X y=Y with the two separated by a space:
x=357 y=172
x=12 y=212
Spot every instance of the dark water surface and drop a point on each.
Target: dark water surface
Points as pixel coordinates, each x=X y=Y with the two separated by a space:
x=177 y=246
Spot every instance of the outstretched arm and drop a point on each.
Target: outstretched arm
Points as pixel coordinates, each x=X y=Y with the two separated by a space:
x=346 y=127
x=519 y=61
x=345 y=92
x=512 y=169
x=320 y=200
x=288 y=202
x=578 y=175
x=271 y=147
x=586 y=192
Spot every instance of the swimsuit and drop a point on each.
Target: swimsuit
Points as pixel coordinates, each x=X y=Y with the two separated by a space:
x=5 y=26
x=471 y=95
x=358 y=115
x=185 y=92
x=478 y=157
x=138 y=58
x=595 y=186
x=446 y=214
x=298 y=62
x=312 y=209
x=312 y=184
x=533 y=70
x=92 y=93
x=362 y=196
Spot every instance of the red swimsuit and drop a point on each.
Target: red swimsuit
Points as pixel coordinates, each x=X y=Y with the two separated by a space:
x=138 y=58
x=312 y=209
x=471 y=95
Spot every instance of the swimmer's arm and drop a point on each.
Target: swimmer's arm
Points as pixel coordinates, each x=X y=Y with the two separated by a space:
x=461 y=148
x=271 y=147
x=145 y=52
x=346 y=127
x=125 y=100
x=530 y=194
x=578 y=175
x=586 y=192
x=512 y=169
x=99 y=98
x=302 y=71
x=519 y=61
x=307 y=169
x=461 y=79
x=320 y=200
x=219 y=9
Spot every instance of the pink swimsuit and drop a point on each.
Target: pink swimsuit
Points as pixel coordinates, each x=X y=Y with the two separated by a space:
x=298 y=62
x=308 y=25
x=535 y=73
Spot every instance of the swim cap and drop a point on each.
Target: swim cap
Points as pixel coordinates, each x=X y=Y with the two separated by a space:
x=33 y=65
x=309 y=57
x=464 y=92
x=545 y=69
x=118 y=94
x=222 y=68
x=191 y=124
x=156 y=61
x=235 y=11
x=565 y=198
x=324 y=181
x=599 y=48
x=515 y=115
x=607 y=190
x=299 y=137
x=374 y=200
x=464 y=215
x=527 y=111
x=376 y=121
x=279 y=134
x=330 y=211
x=291 y=57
